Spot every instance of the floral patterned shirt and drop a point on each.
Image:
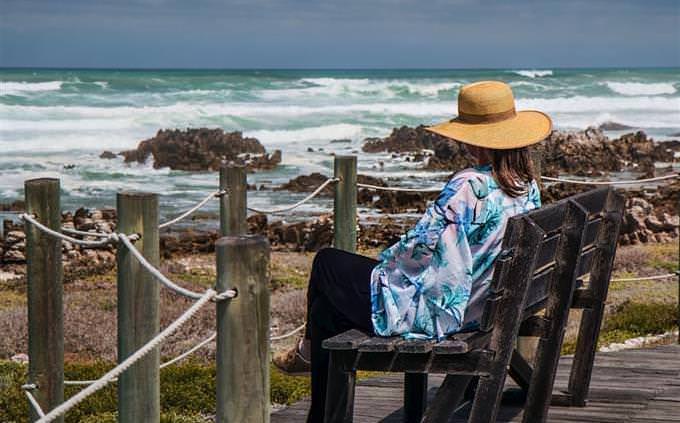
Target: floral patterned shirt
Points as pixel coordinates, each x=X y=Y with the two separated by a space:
x=434 y=280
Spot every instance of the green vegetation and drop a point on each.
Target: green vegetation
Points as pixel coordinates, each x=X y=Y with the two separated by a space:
x=663 y=256
x=187 y=392
x=632 y=319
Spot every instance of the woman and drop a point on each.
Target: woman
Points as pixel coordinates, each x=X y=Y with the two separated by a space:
x=432 y=282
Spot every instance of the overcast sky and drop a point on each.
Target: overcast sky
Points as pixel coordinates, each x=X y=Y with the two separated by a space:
x=339 y=33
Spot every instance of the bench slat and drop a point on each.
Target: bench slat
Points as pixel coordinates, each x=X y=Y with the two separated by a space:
x=414 y=346
x=379 y=344
x=593 y=201
x=546 y=251
x=592 y=229
x=349 y=340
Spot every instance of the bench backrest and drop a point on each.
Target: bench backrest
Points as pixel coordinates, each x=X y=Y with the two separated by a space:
x=578 y=234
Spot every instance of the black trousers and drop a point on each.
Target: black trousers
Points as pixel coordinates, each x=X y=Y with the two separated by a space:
x=338 y=299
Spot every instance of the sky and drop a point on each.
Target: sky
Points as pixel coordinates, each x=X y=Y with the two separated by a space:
x=339 y=33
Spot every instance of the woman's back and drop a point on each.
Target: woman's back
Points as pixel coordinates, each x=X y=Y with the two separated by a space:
x=433 y=281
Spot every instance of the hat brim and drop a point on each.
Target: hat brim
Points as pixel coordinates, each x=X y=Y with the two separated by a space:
x=525 y=128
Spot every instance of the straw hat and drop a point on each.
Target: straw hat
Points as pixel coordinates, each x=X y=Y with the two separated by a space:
x=487 y=118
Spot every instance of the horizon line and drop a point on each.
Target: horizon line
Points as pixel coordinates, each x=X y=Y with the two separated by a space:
x=334 y=69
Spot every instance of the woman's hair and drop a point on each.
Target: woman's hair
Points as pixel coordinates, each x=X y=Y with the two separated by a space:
x=513 y=169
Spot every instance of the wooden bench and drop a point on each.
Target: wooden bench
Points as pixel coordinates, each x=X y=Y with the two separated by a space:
x=546 y=256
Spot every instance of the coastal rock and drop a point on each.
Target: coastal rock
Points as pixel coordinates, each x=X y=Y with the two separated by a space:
x=107 y=155
x=588 y=153
x=17 y=205
x=202 y=149
x=613 y=126
x=441 y=153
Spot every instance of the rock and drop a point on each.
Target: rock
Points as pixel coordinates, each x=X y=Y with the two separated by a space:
x=653 y=223
x=20 y=358
x=18 y=205
x=202 y=149
x=613 y=126
x=307 y=183
x=13 y=237
x=108 y=155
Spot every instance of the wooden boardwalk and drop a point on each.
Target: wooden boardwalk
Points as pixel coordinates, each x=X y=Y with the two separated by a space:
x=641 y=386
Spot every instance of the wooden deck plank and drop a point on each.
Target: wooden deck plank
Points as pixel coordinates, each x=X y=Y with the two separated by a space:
x=632 y=386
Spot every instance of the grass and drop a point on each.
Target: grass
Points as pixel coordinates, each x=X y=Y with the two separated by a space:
x=633 y=319
x=187 y=392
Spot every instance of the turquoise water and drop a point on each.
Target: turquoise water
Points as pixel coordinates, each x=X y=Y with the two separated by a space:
x=53 y=118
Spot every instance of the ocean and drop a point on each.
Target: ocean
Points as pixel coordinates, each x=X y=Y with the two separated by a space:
x=57 y=122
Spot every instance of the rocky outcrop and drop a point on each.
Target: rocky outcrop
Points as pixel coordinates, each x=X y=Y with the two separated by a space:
x=417 y=144
x=202 y=149
x=588 y=152
x=14 y=206
x=613 y=126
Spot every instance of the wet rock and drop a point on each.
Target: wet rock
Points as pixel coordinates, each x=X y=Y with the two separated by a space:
x=107 y=155
x=202 y=149
x=17 y=205
x=613 y=126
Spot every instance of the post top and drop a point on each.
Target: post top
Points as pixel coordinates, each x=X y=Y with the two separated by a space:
x=346 y=156
x=137 y=194
x=231 y=164
x=40 y=181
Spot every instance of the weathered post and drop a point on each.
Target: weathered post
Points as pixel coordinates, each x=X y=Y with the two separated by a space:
x=243 y=330
x=345 y=206
x=138 y=319
x=233 y=204
x=45 y=291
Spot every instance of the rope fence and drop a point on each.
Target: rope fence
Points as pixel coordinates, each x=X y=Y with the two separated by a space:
x=192 y=210
x=167 y=282
x=232 y=222
x=180 y=357
x=282 y=209
x=113 y=374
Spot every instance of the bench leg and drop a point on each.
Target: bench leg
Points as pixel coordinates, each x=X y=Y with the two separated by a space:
x=449 y=396
x=415 y=396
x=488 y=397
x=339 y=393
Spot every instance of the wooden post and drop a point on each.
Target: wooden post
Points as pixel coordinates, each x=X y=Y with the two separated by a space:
x=243 y=330
x=345 y=206
x=45 y=291
x=138 y=319
x=233 y=180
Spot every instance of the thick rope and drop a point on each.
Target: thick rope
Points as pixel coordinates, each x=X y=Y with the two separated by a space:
x=83 y=233
x=189 y=212
x=167 y=282
x=383 y=188
x=626 y=182
x=34 y=402
x=105 y=241
x=299 y=203
x=289 y=334
x=132 y=359
x=182 y=356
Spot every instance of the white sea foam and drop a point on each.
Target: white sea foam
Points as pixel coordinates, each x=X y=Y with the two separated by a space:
x=14 y=88
x=534 y=73
x=363 y=86
x=639 y=88
x=317 y=133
